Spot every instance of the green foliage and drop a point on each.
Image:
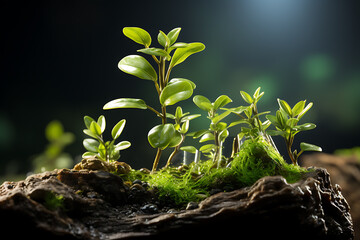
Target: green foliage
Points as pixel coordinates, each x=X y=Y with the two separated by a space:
x=169 y=91
x=96 y=146
x=286 y=124
x=54 y=155
x=217 y=131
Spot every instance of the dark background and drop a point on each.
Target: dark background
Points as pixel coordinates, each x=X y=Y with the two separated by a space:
x=59 y=61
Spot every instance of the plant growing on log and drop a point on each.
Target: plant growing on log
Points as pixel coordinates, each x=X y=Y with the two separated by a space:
x=286 y=123
x=97 y=147
x=217 y=132
x=169 y=91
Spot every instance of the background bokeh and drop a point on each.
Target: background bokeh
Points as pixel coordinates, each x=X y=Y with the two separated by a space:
x=59 y=61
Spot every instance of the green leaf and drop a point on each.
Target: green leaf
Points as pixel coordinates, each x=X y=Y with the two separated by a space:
x=117 y=129
x=281 y=118
x=177 y=45
x=207 y=137
x=95 y=128
x=91 y=144
x=247 y=98
x=54 y=130
x=237 y=110
x=207 y=148
x=178 y=113
x=291 y=122
x=138 y=35
x=298 y=108
x=285 y=107
x=190 y=117
x=237 y=123
x=175 y=140
x=310 y=147
x=175 y=92
x=160 y=136
x=189 y=149
x=273 y=119
x=185 y=127
x=155 y=51
x=199 y=133
x=223 y=135
x=125 y=103
x=305 y=127
x=163 y=39
x=122 y=145
x=138 y=66
x=175 y=80
x=221 y=101
x=307 y=108
x=173 y=35
x=87 y=121
x=202 y=103
x=181 y=54
x=275 y=133
x=90 y=133
x=102 y=123
x=220 y=117
x=89 y=154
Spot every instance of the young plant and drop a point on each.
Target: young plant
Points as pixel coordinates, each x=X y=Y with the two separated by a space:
x=182 y=122
x=286 y=123
x=169 y=91
x=217 y=132
x=97 y=147
x=250 y=116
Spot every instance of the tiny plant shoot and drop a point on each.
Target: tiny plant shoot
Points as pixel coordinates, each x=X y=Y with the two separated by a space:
x=286 y=123
x=168 y=91
x=96 y=146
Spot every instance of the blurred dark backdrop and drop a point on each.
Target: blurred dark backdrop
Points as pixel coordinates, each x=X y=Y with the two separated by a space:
x=59 y=61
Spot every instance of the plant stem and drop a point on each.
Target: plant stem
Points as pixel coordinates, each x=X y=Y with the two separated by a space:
x=176 y=150
x=156 y=161
x=288 y=148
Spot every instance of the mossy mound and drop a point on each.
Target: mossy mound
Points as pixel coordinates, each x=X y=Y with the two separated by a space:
x=256 y=159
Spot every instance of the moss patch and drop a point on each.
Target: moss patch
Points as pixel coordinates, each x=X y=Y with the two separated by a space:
x=255 y=160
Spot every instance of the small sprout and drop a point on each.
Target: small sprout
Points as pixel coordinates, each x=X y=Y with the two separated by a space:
x=96 y=146
x=286 y=124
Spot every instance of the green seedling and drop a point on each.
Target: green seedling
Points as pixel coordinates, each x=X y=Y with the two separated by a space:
x=217 y=132
x=182 y=123
x=169 y=91
x=286 y=123
x=96 y=146
x=250 y=116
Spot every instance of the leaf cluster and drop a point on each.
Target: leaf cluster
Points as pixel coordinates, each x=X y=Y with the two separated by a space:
x=286 y=122
x=96 y=146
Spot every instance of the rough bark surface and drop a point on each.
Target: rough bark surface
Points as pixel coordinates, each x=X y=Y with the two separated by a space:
x=97 y=205
x=344 y=171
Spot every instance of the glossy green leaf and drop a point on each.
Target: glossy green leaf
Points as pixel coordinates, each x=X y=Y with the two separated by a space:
x=220 y=117
x=138 y=66
x=190 y=149
x=202 y=103
x=199 y=133
x=175 y=80
x=285 y=107
x=95 y=128
x=163 y=39
x=117 y=129
x=90 y=133
x=207 y=137
x=177 y=45
x=175 y=140
x=281 y=118
x=122 y=145
x=305 y=127
x=307 y=108
x=247 y=98
x=237 y=123
x=190 y=117
x=221 y=101
x=138 y=35
x=155 y=51
x=298 y=108
x=125 y=103
x=291 y=122
x=178 y=113
x=89 y=155
x=173 y=35
x=237 y=110
x=218 y=126
x=87 y=121
x=185 y=127
x=273 y=119
x=275 y=133
x=181 y=54
x=207 y=148
x=102 y=123
x=310 y=147
x=176 y=92
x=160 y=136
x=91 y=144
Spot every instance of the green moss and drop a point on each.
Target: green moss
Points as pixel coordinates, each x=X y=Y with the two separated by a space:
x=255 y=160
